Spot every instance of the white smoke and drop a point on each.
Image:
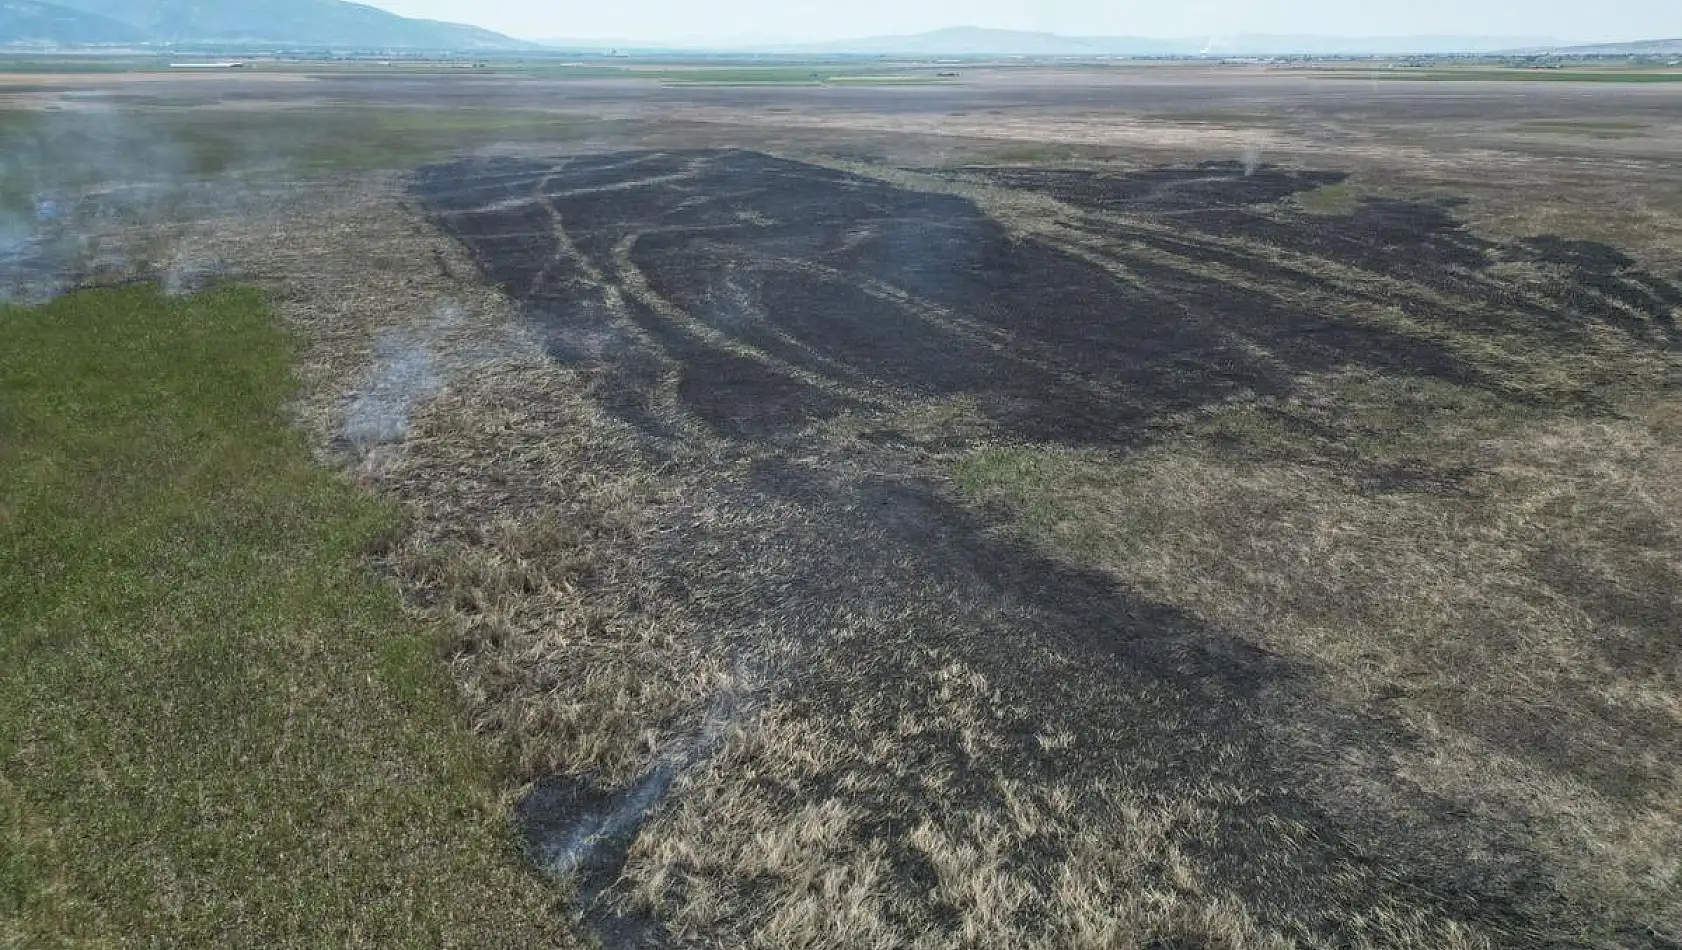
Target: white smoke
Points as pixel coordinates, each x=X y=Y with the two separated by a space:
x=92 y=191
x=403 y=376
x=1252 y=159
x=410 y=366
x=563 y=857
x=564 y=854
x=190 y=269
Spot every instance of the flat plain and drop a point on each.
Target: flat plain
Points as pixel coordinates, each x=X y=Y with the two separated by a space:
x=1149 y=506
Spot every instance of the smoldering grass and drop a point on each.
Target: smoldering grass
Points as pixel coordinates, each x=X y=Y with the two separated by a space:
x=403 y=375
x=76 y=178
x=1251 y=159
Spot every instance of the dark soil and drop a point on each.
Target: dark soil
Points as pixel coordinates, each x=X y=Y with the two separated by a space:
x=739 y=300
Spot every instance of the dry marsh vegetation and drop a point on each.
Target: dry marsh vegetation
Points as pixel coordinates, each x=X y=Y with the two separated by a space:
x=1357 y=653
x=1335 y=616
x=1506 y=588
x=1170 y=555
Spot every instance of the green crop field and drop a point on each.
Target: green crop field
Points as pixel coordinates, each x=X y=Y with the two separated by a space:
x=1515 y=75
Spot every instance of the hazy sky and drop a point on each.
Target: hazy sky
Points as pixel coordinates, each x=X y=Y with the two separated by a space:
x=827 y=19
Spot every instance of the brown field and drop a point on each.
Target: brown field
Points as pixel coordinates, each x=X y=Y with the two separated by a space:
x=1149 y=507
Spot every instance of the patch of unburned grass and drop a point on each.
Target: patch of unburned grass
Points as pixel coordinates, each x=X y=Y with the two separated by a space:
x=70 y=152
x=1029 y=153
x=79 y=65
x=1331 y=200
x=1227 y=120
x=1517 y=75
x=1590 y=128
x=736 y=75
x=906 y=79
x=396 y=138
x=825 y=875
x=217 y=728
x=335 y=139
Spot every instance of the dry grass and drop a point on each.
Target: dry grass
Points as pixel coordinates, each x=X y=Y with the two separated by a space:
x=538 y=525
x=526 y=502
x=538 y=521
x=1499 y=579
x=565 y=655
x=1045 y=865
x=1513 y=600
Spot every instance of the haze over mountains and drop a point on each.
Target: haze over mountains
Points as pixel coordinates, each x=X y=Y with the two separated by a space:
x=1670 y=47
x=974 y=41
x=977 y=41
x=290 y=23
x=345 y=25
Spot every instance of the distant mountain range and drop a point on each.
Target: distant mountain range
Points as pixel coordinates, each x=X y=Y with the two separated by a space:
x=254 y=23
x=975 y=41
x=1639 y=48
x=339 y=24
x=32 y=23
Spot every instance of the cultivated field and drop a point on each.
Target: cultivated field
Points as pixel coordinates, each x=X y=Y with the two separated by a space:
x=1145 y=507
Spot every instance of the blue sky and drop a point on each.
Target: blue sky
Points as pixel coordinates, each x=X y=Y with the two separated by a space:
x=825 y=19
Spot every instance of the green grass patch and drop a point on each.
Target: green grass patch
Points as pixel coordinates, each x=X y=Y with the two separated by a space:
x=735 y=75
x=66 y=153
x=396 y=138
x=1586 y=127
x=908 y=79
x=1513 y=75
x=1041 y=486
x=217 y=727
x=1030 y=153
x=80 y=65
x=1227 y=120
x=1338 y=199
x=332 y=139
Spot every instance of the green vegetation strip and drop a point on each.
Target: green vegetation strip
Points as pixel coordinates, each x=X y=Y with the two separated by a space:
x=81 y=65
x=737 y=75
x=217 y=727
x=1509 y=75
x=60 y=153
x=1592 y=129
x=1339 y=199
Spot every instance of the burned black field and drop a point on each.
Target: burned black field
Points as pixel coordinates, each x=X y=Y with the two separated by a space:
x=974 y=734
x=760 y=296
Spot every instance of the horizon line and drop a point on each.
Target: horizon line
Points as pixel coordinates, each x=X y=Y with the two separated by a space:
x=740 y=42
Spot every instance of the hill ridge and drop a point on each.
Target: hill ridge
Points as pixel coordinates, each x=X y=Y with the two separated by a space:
x=314 y=23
